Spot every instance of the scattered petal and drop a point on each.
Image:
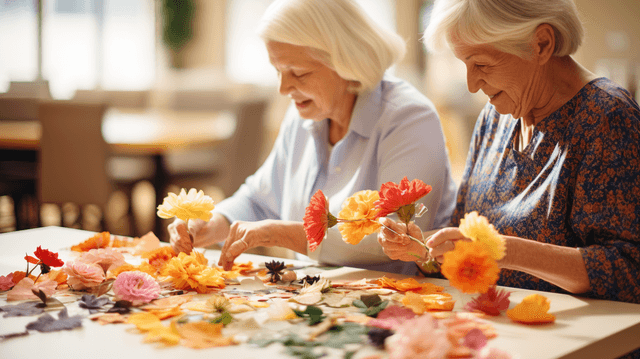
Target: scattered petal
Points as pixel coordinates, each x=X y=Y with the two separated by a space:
x=25 y=309
x=532 y=310
x=46 y=323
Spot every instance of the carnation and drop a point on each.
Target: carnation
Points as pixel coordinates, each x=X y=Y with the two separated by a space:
x=136 y=287
x=83 y=275
x=191 y=205
x=106 y=258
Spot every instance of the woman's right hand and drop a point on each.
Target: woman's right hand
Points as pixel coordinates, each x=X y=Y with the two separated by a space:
x=397 y=245
x=204 y=233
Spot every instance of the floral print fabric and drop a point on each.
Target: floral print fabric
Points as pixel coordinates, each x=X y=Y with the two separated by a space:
x=576 y=184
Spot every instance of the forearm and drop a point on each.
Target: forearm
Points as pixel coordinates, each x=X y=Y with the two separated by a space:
x=215 y=231
x=287 y=234
x=558 y=265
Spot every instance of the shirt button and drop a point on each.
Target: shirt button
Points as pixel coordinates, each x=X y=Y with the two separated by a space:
x=337 y=170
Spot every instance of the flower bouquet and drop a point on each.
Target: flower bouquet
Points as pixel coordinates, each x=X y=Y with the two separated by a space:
x=360 y=213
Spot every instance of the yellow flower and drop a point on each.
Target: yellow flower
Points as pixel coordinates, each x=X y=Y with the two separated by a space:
x=532 y=310
x=359 y=206
x=190 y=272
x=192 y=205
x=481 y=231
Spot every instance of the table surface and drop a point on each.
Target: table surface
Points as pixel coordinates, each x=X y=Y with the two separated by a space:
x=137 y=130
x=584 y=328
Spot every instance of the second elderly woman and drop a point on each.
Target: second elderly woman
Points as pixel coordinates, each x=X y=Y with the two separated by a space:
x=554 y=161
x=350 y=127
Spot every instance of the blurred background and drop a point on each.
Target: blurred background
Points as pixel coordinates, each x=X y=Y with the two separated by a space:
x=183 y=96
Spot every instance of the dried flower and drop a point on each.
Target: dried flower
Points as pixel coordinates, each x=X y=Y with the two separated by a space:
x=309 y=279
x=275 y=270
x=24 y=289
x=158 y=257
x=48 y=258
x=83 y=275
x=359 y=213
x=106 y=258
x=6 y=282
x=136 y=287
x=492 y=302
x=418 y=338
x=401 y=198
x=100 y=240
x=317 y=219
x=480 y=230
x=470 y=268
x=191 y=205
x=218 y=303
x=190 y=272
x=532 y=310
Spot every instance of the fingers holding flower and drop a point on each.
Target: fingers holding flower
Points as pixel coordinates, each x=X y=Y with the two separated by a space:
x=179 y=236
x=397 y=245
x=444 y=241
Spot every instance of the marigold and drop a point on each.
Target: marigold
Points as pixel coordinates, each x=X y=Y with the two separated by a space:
x=100 y=240
x=191 y=205
x=401 y=198
x=470 y=268
x=317 y=219
x=360 y=208
x=532 y=310
x=188 y=272
x=478 y=229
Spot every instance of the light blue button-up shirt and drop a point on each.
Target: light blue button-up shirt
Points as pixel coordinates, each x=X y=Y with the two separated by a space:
x=394 y=132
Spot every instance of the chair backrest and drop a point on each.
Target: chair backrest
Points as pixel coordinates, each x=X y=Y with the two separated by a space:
x=73 y=154
x=242 y=155
x=18 y=108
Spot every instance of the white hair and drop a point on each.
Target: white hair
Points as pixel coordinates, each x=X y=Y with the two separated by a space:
x=345 y=37
x=507 y=25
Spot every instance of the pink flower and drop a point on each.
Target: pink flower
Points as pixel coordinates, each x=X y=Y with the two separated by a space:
x=106 y=258
x=83 y=275
x=136 y=287
x=392 y=317
x=6 y=282
x=22 y=290
x=492 y=302
x=418 y=338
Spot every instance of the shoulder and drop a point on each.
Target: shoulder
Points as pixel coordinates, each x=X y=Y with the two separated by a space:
x=606 y=110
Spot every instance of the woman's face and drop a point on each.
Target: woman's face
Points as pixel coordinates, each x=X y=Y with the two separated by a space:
x=317 y=90
x=508 y=80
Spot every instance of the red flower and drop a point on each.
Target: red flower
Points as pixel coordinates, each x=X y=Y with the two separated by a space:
x=492 y=302
x=31 y=260
x=317 y=220
x=401 y=198
x=48 y=258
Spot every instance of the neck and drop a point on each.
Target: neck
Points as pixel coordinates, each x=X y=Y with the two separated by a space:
x=339 y=122
x=561 y=79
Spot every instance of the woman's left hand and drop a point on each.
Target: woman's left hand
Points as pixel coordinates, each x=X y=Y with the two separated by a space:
x=443 y=241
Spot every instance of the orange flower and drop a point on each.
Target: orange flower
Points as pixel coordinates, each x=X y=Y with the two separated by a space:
x=532 y=310
x=100 y=240
x=143 y=267
x=359 y=207
x=401 y=198
x=409 y=284
x=422 y=303
x=190 y=272
x=470 y=268
x=158 y=257
x=201 y=335
x=317 y=220
x=478 y=229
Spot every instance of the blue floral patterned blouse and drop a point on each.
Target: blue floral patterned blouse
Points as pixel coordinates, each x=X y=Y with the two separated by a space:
x=576 y=184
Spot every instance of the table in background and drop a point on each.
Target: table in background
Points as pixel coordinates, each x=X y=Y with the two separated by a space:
x=584 y=328
x=140 y=132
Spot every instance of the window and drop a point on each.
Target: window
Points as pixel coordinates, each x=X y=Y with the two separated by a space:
x=86 y=44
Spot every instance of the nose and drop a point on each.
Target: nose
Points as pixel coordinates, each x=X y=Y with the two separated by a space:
x=474 y=80
x=286 y=84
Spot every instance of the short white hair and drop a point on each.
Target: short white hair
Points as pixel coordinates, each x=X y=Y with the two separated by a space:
x=347 y=39
x=507 y=25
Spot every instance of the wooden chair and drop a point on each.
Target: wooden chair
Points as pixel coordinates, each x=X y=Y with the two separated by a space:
x=18 y=166
x=74 y=157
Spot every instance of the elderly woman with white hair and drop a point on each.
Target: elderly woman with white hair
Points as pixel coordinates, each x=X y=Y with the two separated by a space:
x=350 y=127
x=554 y=161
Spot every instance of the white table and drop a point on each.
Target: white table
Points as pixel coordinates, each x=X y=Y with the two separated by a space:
x=584 y=328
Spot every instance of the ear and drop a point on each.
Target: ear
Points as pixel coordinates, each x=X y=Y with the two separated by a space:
x=544 y=43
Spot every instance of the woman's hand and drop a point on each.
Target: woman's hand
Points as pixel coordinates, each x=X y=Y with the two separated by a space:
x=204 y=233
x=268 y=233
x=443 y=241
x=400 y=246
